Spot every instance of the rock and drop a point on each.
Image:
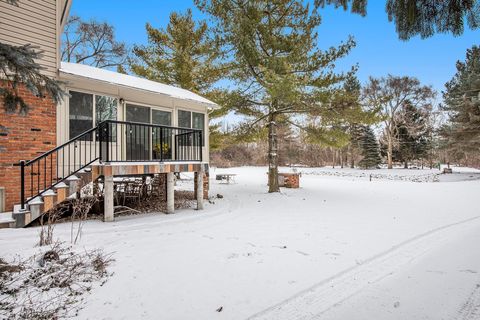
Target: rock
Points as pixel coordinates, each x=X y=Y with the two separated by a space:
x=219 y=309
x=219 y=196
x=50 y=255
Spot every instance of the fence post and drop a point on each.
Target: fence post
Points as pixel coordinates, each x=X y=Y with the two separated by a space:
x=22 y=184
x=108 y=141
x=201 y=146
x=100 y=141
x=161 y=143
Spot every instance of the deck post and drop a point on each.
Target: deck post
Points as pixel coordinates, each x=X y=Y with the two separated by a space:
x=108 y=199
x=199 y=188
x=170 y=193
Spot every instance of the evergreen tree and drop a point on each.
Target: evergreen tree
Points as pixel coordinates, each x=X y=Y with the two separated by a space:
x=369 y=149
x=413 y=134
x=187 y=55
x=279 y=71
x=462 y=102
x=184 y=54
x=421 y=17
x=18 y=66
x=365 y=115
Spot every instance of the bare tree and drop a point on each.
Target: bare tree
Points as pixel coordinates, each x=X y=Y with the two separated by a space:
x=92 y=43
x=390 y=95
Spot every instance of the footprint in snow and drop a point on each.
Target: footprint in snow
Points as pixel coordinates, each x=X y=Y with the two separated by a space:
x=436 y=271
x=302 y=253
x=232 y=256
x=468 y=271
x=332 y=254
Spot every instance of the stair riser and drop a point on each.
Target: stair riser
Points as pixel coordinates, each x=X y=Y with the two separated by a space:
x=5 y=225
x=50 y=199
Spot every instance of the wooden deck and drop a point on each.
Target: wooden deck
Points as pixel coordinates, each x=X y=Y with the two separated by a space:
x=111 y=170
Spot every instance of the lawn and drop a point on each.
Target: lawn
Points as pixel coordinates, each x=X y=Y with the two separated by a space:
x=299 y=254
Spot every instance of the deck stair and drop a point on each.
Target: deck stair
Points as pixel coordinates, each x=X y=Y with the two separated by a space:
x=36 y=207
x=6 y=220
x=59 y=174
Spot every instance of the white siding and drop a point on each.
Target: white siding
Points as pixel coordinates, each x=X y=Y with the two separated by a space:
x=32 y=22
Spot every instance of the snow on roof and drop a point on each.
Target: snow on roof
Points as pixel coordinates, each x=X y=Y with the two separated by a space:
x=132 y=82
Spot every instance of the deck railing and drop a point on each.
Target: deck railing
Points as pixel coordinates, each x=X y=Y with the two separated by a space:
x=110 y=141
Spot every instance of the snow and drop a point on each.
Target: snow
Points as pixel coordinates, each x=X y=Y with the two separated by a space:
x=116 y=78
x=391 y=248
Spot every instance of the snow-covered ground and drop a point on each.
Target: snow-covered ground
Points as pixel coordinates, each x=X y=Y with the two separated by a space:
x=340 y=247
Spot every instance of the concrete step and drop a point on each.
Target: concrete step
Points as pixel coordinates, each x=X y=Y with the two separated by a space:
x=6 y=220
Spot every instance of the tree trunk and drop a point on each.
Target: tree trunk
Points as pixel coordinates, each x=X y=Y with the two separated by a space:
x=390 y=151
x=341 y=158
x=405 y=164
x=352 y=157
x=272 y=155
x=333 y=158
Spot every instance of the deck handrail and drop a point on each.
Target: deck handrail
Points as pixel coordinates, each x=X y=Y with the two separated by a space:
x=185 y=144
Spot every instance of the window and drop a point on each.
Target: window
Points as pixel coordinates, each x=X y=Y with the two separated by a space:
x=161 y=137
x=194 y=120
x=105 y=108
x=184 y=119
x=83 y=111
x=163 y=118
x=137 y=143
x=198 y=121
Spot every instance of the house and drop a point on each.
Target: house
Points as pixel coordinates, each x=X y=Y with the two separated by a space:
x=109 y=125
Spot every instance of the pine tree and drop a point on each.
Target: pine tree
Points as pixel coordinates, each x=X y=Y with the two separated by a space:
x=279 y=71
x=19 y=68
x=421 y=17
x=462 y=102
x=412 y=129
x=369 y=149
x=187 y=55
x=365 y=115
x=184 y=54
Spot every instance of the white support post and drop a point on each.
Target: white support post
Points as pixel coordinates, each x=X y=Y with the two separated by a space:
x=73 y=184
x=108 y=199
x=199 y=188
x=170 y=193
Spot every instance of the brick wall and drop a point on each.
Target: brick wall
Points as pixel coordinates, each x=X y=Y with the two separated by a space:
x=23 y=137
x=289 y=180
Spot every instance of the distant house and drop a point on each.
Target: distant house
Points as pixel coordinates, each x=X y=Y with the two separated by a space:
x=111 y=124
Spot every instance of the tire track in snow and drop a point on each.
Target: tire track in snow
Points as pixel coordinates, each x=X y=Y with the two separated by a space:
x=470 y=310
x=321 y=297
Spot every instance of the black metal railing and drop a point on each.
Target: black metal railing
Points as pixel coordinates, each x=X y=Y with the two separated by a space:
x=110 y=141
x=122 y=141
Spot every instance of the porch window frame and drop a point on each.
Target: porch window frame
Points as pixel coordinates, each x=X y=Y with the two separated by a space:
x=94 y=109
x=150 y=107
x=191 y=122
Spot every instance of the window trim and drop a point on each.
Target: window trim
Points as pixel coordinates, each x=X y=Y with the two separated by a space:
x=151 y=106
x=205 y=125
x=191 y=118
x=94 y=107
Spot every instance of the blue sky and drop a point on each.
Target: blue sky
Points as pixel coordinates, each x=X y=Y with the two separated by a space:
x=378 y=51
